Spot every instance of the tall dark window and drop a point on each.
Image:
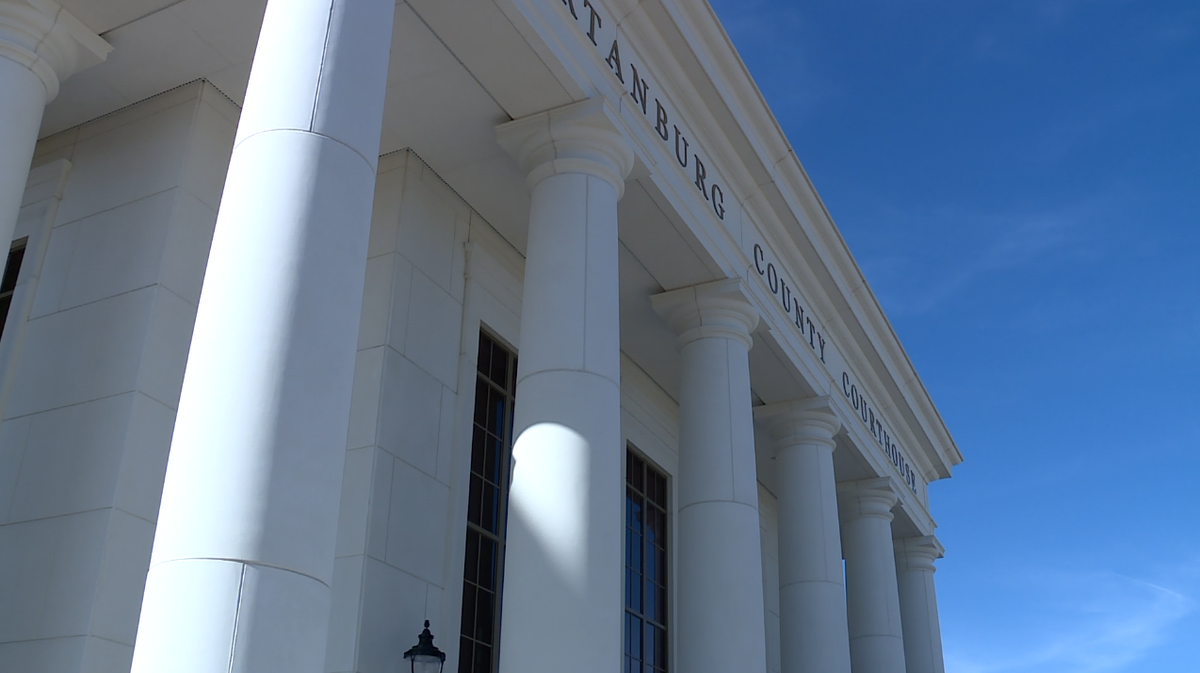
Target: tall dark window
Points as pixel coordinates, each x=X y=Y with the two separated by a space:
x=645 y=567
x=487 y=513
x=9 y=283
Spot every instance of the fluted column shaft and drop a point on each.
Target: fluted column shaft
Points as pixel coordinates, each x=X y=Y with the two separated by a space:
x=812 y=595
x=243 y=554
x=720 y=625
x=872 y=598
x=562 y=580
x=918 y=603
x=41 y=44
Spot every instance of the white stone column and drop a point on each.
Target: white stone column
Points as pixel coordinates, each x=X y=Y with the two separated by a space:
x=812 y=595
x=872 y=599
x=918 y=603
x=720 y=624
x=562 y=571
x=41 y=44
x=243 y=552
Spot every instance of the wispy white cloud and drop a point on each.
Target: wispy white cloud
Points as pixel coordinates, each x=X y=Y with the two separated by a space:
x=920 y=276
x=1081 y=623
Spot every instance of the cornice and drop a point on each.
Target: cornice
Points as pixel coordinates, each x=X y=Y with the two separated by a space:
x=713 y=49
x=771 y=205
x=699 y=71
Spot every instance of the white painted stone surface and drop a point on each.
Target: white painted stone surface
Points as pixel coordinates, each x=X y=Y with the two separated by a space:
x=918 y=603
x=92 y=378
x=393 y=564
x=813 y=630
x=562 y=583
x=872 y=596
x=768 y=516
x=720 y=625
x=41 y=44
x=39 y=210
x=96 y=375
x=249 y=513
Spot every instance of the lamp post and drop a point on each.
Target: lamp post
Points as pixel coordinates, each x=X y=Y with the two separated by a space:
x=425 y=657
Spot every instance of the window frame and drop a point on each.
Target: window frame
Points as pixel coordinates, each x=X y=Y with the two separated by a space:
x=11 y=277
x=652 y=489
x=477 y=533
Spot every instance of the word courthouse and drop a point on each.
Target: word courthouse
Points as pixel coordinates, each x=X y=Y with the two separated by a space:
x=325 y=322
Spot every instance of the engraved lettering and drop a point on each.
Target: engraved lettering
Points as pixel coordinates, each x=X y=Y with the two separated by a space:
x=700 y=175
x=681 y=158
x=614 y=62
x=595 y=22
x=639 y=87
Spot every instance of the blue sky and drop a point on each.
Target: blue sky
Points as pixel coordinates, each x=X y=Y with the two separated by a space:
x=1020 y=182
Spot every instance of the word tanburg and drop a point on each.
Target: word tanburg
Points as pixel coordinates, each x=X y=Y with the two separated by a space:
x=639 y=89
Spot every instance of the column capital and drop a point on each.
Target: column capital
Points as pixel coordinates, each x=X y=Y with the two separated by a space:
x=918 y=553
x=718 y=309
x=804 y=421
x=582 y=137
x=867 y=498
x=49 y=40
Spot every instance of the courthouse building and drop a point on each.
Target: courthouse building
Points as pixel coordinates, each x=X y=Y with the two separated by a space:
x=324 y=318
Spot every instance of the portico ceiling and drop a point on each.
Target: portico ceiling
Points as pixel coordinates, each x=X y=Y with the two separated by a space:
x=447 y=90
x=458 y=68
x=434 y=106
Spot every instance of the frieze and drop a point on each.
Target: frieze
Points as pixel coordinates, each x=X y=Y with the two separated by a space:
x=808 y=327
x=660 y=116
x=665 y=122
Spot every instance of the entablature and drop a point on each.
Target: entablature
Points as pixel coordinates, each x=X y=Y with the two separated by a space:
x=707 y=140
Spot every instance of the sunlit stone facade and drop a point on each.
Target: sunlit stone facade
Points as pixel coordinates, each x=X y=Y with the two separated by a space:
x=329 y=317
